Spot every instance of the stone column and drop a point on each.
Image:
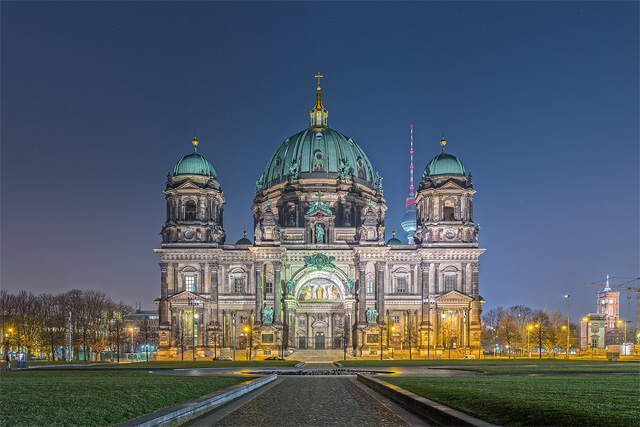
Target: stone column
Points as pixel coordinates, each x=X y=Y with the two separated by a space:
x=362 y=293
x=277 y=318
x=380 y=267
x=259 y=292
x=213 y=274
x=434 y=287
x=425 y=293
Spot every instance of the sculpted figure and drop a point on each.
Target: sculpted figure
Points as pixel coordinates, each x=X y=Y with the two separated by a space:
x=267 y=315
x=372 y=315
x=319 y=234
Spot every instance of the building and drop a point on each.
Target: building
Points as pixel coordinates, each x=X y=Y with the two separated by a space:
x=319 y=273
x=145 y=324
x=592 y=332
x=608 y=305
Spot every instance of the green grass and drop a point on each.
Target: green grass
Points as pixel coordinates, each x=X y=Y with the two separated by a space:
x=536 y=400
x=482 y=362
x=189 y=364
x=87 y=397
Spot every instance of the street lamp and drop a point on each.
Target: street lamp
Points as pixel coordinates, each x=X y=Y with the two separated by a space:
x=380 y=342
x=131 y=329
x=393 y=328
x=568 y=326
x=586 y=320
x=248 y=345
x=193 y=302
x=625 y=328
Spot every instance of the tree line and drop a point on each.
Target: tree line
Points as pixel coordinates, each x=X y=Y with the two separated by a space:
x=39 y=324
x=520 y=329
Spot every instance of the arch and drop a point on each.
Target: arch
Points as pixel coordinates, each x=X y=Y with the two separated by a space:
x=190 y=210
x=335 y=276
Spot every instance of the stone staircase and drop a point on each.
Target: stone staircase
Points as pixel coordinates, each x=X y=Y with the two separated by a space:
x=318 y=355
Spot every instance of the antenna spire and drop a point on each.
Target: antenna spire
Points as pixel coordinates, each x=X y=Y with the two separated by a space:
x=411 y=164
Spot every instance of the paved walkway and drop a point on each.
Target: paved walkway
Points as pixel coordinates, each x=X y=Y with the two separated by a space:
x=311 y=401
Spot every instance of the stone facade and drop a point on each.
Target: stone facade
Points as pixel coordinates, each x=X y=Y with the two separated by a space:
x=319 y=274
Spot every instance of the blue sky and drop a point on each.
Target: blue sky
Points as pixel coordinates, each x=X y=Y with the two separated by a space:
x=538 y=99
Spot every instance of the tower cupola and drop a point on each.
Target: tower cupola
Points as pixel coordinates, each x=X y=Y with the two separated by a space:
x=318 y=112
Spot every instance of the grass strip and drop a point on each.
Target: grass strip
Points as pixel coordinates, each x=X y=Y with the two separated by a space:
x=535 y=400
x=85 y=397
x=484 y=362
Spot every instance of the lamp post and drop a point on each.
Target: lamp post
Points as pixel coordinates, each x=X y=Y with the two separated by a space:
x=233 y=330
x=393 y=328
x=131 y=329
x=568 y=326
x=586 y=320
x=193 y=302
x=539 y=341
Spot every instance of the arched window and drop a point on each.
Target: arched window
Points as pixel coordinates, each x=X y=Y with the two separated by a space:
x=190 y=211
x=401 y=279
x=449 y=211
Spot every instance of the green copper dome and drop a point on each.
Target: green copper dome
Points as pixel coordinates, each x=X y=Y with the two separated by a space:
x=444 y=164
x=319 y=152
x=194 y=164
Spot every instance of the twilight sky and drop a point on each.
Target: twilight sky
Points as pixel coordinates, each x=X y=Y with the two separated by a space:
x=538 y=99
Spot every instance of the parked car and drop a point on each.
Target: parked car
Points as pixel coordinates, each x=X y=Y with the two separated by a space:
x=222 y=358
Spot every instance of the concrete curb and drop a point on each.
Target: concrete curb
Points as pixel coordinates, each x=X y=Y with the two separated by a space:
x=184 y=412
x=429 y=409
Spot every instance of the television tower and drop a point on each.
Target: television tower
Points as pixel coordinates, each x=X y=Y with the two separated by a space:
x=409 y=219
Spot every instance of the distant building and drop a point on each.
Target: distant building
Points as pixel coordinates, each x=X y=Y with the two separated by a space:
x=145 y=324
x=608 y=304
x=592 y=332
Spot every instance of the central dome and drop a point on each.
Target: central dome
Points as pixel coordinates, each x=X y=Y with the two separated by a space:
x=318 y=152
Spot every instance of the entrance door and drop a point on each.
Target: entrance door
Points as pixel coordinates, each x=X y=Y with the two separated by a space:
x=319 y=340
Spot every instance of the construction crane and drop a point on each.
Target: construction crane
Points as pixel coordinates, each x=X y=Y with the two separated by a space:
x=624 y=286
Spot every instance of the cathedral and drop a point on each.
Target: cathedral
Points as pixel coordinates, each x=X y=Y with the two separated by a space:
x=319 y=274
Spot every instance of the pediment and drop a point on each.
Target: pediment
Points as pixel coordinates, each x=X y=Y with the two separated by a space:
x=451 y=185
x=185 y=297
x=453 y=297
x=187 y=186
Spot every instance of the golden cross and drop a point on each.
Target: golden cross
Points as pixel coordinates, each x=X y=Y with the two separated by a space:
x=318 y=76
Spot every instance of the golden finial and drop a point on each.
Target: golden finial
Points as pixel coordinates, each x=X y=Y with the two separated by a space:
x=318 y=76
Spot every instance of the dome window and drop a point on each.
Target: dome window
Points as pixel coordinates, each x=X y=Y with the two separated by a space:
x=190 y=211
x=361 y=172
x=318 y=161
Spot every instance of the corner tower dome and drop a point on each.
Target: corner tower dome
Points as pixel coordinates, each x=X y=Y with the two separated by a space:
x=194 y=164
x=444 y=164
x=318 y=152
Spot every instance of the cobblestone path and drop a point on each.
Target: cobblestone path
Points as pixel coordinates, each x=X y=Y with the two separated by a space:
x=311 y=401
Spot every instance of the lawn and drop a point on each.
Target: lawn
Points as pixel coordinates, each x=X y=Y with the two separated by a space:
x=558 y=400
x=187 y=364
x=483 y=362
x=84 y=396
